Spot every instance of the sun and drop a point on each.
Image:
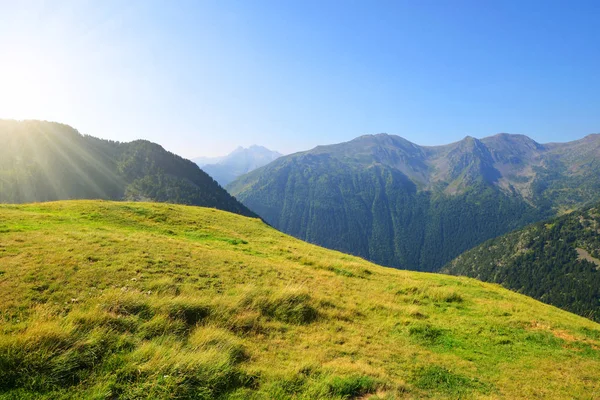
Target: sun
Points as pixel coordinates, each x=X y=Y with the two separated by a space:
x=29 y=84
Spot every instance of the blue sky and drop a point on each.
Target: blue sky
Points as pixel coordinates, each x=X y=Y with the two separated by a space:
x=202 y=77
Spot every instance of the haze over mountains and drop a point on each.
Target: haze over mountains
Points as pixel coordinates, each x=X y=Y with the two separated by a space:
x=408 y=206
x=45 y=161
x=239 y=162
x=202 y=161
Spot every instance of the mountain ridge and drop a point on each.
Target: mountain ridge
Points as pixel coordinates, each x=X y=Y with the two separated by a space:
x=44 y=161
x=378 y=191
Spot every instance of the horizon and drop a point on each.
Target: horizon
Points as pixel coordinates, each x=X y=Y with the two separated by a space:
x=202 y=78
x=218 y=157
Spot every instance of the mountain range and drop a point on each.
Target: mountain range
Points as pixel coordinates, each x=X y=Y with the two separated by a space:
x=239 y=162
x=391 y=201
x=45 y=161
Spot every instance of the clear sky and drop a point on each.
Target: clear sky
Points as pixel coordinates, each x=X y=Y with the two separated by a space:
x=202 y=77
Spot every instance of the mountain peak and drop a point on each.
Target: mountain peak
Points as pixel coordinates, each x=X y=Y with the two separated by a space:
x=469 y=142
x=381 y=138
x=512 y=137
x=514 y=143
x=239 y=162
x=371 y=136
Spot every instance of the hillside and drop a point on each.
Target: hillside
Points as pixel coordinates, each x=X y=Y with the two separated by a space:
x=137 y=300
x=393 y=202
x=556 y=261
x=237 y=163
x=45 y=161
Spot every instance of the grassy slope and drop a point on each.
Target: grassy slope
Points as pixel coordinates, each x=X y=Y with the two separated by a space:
x=136 y=300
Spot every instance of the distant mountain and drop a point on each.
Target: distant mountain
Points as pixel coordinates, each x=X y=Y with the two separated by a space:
x=402 y=205
x=556 y=261
x=239 y=162
x=202 y=161
x=45 y=161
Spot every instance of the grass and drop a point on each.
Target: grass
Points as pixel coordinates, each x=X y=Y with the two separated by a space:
x=134 y=300
x=443 y=381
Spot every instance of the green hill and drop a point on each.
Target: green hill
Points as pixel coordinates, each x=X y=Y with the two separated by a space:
x=45 y=161
x=556 y=261
x=398 y=204
x=136 y=300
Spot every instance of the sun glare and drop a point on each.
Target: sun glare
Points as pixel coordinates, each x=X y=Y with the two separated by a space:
x=29 y=86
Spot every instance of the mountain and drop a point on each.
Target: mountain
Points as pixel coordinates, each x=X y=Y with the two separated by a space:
x=393 y=202
x=146 y=300
x=555 y=261
x=239 y=162
x=202 y=161
x=45 y=161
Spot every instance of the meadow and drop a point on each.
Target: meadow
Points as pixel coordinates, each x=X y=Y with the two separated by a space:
x=107 y=300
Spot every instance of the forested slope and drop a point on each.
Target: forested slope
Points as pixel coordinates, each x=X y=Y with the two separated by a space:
x=44 y=161
x=556 y=261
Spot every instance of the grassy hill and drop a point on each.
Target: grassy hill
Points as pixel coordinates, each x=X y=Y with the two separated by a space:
x=46 y=161
x=136 y=300
x=556 y=261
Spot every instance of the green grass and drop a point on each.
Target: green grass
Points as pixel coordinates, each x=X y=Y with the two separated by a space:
x=133 y=300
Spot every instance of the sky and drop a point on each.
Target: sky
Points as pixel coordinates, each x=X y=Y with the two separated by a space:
x=203 y=77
